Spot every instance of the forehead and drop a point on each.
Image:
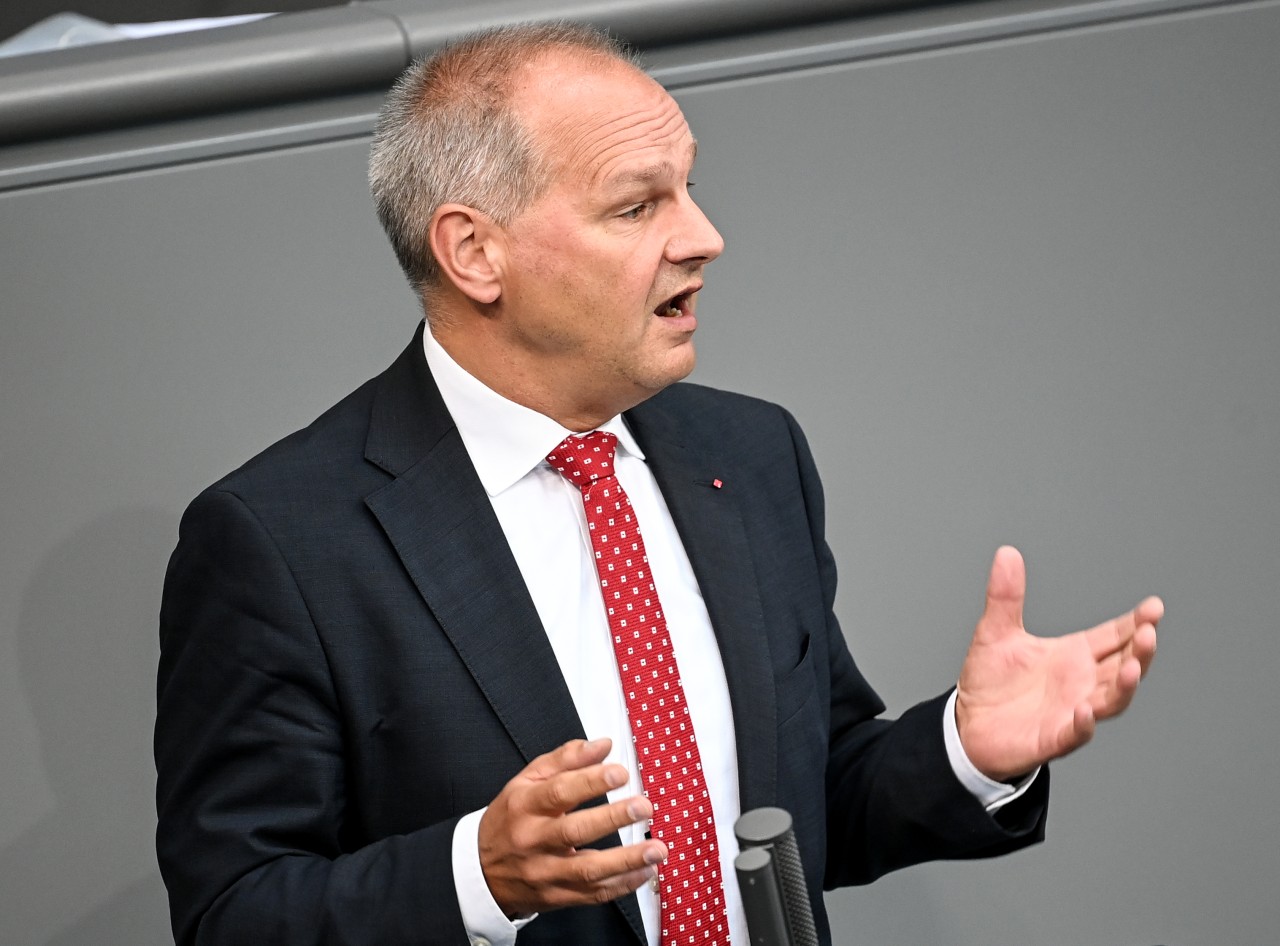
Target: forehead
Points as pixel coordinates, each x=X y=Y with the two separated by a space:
x=600 y=120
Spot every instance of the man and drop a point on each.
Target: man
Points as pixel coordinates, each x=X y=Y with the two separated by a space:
x=384 y=641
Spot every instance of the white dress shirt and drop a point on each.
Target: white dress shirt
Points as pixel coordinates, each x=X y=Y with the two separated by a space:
x=542 y=517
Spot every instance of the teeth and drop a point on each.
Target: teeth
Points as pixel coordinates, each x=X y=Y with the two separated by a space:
x=673 y=307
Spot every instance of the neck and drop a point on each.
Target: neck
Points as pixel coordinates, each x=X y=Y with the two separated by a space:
x=520 y=379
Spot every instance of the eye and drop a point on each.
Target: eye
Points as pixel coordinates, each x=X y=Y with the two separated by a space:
x=636 y=212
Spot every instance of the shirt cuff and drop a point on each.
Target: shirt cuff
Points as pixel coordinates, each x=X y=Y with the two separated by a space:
x=992 y=794
x=483 y=919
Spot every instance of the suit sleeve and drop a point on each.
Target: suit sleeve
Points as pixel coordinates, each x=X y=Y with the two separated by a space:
x=892 y=799
x=255 y=836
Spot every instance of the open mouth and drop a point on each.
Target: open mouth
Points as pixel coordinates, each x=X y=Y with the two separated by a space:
x=676 y=306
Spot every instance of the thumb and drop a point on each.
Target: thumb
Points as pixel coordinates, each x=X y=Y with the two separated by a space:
x=1006 y=590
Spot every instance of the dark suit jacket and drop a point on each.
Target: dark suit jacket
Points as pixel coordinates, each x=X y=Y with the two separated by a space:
x=350 y=661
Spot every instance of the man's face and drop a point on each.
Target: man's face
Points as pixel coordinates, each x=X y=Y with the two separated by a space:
x=603 y=267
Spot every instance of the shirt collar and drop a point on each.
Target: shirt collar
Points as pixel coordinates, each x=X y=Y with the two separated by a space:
x=505 y=440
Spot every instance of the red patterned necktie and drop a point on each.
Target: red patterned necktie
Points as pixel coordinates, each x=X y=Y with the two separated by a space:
x=692 y=903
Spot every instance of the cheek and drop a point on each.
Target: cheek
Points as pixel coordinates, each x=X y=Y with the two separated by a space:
x=615 y=290
x=609 y=282
x=546 y=287
x=543 y=254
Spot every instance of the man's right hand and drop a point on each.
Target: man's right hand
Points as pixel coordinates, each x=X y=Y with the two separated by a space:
x=531 y=834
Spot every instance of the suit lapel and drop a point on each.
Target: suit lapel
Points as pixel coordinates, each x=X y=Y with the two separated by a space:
x=441 y=523
x=710 y=524
x=438 y=517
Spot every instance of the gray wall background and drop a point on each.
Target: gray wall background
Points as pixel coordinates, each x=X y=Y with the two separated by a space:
x=1019 y=287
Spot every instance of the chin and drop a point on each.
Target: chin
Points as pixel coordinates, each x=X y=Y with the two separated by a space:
x=677 y=369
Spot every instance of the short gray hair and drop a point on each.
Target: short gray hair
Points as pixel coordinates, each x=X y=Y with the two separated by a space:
x=447 y=133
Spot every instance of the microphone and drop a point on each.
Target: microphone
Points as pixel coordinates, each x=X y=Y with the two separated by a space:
x=775 y=897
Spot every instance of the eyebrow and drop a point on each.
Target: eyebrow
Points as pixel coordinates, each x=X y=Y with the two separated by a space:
x=647 y=176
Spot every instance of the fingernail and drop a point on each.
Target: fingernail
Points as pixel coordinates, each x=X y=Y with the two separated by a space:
x=636 y=811
x=654 y=855
x=595 y=745
x=615 y=776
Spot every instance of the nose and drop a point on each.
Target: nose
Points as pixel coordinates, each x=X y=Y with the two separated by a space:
x=695 y=238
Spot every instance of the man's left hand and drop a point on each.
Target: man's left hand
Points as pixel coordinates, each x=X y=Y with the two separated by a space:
x=1024 y=700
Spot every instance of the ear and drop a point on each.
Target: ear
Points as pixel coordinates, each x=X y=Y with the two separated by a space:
x=468 y=247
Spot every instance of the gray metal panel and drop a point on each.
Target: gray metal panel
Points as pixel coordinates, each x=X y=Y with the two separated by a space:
x=917 y=31
x=292 y=56
x=646 y=23
x=326 y=52
x=678 y=65
x=201 y=138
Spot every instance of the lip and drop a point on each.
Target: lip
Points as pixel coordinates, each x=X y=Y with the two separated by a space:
x=686 y=296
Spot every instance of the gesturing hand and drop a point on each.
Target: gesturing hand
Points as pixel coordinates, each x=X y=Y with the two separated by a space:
x=530 y=835
x=1024 y=700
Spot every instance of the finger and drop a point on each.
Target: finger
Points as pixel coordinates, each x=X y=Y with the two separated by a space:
x=1111 y=637
x=1117 y=688
x=1074 y=733
x=591 y=867
x=1144 y=647
x=580 y=828
x=1006 y=592
x=1084 y=723
x=567 y=790
x=574 y=754
x=1147 y=615
x=620 y=885
x=601 y=876
x=1150 y=611
x=1128 y=678
x=625 y=884
x=583 y=877
x=1114 y=635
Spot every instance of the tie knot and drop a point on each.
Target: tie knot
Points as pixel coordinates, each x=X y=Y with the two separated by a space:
x=583 y=460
